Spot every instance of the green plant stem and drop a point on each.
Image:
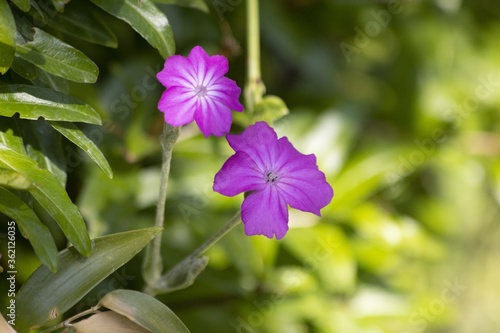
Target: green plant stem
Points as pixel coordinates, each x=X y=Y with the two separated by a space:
x=255 y=88
x=67 y=322
x=153 y=263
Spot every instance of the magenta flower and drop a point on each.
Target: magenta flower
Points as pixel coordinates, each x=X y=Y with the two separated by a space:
x=198 y=90
x=274 y=174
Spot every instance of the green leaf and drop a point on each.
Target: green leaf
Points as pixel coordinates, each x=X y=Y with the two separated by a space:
x=35 y=102
x=145 y=18
x=31 y=228
x=46 y=295
x=144 y=310
x=23 y=5
x=7 y=37
x=24 y=69
x=181 y=276
x=108 y=321
x=43 y=145
x=52 y=196
x=10 y=135
x=58 y=58
x=196 y=4
x=76 y=135
x=59 y=5
x=12 y=179
x=79 y=21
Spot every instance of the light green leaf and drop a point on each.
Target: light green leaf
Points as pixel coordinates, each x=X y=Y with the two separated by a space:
x=144 y=310
x=31 y=227
x=59 y=5
x=23 y=5
x=76 y=135
x=52 y=196
x=196 y=4
x=35 y=102
x=146 y=19
x=58 y=58
x=46 y=295
x=7 y=37
x=79 y=21
x=43 y=145
x=10 y=135
x=108 y=321
x=12 y=179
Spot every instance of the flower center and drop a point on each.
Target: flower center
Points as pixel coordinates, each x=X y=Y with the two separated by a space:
x=200 y=91
x=271 y=177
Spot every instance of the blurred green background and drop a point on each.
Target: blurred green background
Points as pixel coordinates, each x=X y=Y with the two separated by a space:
x=399 y=102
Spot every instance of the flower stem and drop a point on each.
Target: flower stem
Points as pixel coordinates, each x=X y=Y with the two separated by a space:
x=153 y=264
x=255 y=88
x=67 y=322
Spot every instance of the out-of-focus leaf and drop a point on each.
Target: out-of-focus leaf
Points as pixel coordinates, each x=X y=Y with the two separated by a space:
x=79 y=21
x=45 y=79
x=7 y=37
x=76 y=135
x=60 y=5
x=35 y=102
x=196 y=4
x=46 y=295
x=52 y=196
x=43 y=145
x=23 y=5
x=12 y=179
x=31 y=228
x=143 y=310
x=146 y=19
x=25 y=69
x=108 y=321
x=58 y=58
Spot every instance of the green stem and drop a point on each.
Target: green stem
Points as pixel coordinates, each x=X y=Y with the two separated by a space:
x=67 y=322
x=180 y=268
x=153 y=263
x=255 y=88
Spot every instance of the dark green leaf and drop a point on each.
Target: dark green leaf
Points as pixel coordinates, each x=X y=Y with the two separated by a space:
x=7 y=37
x=76 y=135
x=46 y=293
x=31 y=228
x=146 y=19
x=144 y=310
x=181 y=276
x=57 y=58
x=52 y=196
x=79 y=21
x=23 y=5
x=35 y=102
x=10 y=135
x=196 y=4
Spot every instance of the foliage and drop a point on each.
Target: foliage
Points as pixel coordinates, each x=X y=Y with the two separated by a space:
x=398 y=100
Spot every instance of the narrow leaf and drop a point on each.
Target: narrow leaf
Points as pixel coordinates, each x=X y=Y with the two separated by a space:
x=46 y=295
x=181 y=276
x=145 y=18
x=52 y=196
x=108 y=321
x=143 y=310
x=10 y=135
x=31 y=228
x=23 y=5
x=58 y=58
x=76 y=135
x=79 y=21
x=24 y=69
x=7 y=37
x=35 y=102
x=196 y=4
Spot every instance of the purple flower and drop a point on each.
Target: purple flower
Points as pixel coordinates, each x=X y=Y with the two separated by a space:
x=198 y=90
x=274 y=174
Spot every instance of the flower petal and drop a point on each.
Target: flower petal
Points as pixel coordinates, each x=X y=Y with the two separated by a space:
x=302 y=185
x=178 y=105
x=238 y=174
x=207 y=68
x=259 y=141
x=212 y=117
x=227 y=92
x=177 y=71
x=265 y=213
